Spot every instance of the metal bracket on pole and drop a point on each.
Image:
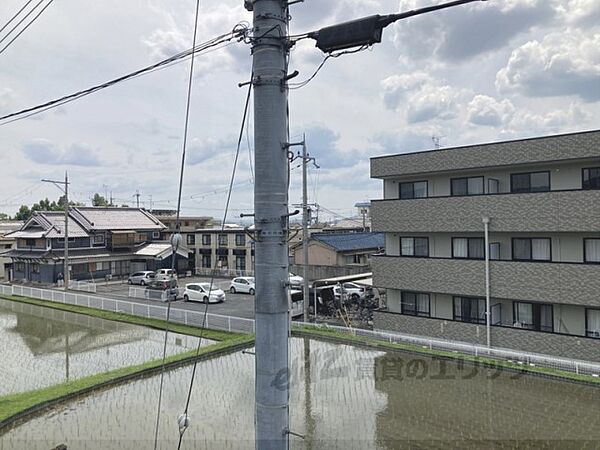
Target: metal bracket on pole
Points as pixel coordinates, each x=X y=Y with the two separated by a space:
x=287 y=431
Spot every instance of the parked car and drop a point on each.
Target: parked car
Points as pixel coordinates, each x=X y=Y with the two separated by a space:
x=165 y=274
x=201 y=292
x=295 y=280
x=142 y=278
x=162 y=285
x=242 y=284
x=351 y=290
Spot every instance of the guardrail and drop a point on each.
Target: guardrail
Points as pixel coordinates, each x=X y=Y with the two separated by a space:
x=238 y=324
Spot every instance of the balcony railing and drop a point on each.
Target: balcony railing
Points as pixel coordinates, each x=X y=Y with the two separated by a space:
x=566 y=283
x=554 y=211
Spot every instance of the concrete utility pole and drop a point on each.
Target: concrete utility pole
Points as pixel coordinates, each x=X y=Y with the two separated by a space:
x=137 y=197
x=64 y=186
x=270 y=50
x=305 y=218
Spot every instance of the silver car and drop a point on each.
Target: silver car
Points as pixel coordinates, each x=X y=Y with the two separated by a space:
x=143 y=277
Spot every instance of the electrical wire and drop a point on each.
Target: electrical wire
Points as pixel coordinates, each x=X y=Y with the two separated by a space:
x=227 y=203
x=15 y=16
x=26 y=26
x=301 y=84
x=176 y=237
x=238 y=32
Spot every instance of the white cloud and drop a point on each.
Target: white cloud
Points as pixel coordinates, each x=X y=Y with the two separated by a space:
x=397 y=87
x=432 y=102
x=563 y=63
x=43 y=151
x=6 y=99
x=487 y=111
x=463 y=32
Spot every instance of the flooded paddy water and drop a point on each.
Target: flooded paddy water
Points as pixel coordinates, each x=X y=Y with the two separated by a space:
x=41 y=346
x=341 y=397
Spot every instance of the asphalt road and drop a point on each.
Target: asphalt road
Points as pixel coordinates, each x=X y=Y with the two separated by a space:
x=236 y=305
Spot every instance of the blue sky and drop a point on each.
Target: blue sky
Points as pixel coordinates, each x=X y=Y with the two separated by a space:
x=483 y=72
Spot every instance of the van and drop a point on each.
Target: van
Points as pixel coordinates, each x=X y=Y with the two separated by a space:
x=165 y=274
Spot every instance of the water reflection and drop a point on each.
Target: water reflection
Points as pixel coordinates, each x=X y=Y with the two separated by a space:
x=341 y=397
x=42 y=346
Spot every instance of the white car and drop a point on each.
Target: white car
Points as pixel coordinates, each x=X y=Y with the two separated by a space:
x=242 y=284
x=351 y=290
x=199 y=292
x=165 y=275
x=295 y=281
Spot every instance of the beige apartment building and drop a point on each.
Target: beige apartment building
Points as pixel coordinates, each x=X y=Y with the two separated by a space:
x=538 y=281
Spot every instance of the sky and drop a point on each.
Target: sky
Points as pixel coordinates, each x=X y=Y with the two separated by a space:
x=487 y=71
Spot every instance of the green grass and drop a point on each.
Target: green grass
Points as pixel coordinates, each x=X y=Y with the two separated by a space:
x=384 y=345
x=122 y=317
x=17 y=403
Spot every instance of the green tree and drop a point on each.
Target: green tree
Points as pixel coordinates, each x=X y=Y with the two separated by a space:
x=99 y=200
x=24 y=213
x=4 y=216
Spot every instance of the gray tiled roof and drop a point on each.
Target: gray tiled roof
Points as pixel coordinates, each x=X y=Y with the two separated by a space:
x=55 y=224
x=117 y=219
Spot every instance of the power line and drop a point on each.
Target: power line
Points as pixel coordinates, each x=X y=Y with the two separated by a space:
x=239 y=31
x=15 y=16
x=26 y=26
x=227 y=203
x=176 y=237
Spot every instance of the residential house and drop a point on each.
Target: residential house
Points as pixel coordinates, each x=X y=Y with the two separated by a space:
x=7 y=243
x=337 y=254
x=228 y=251
x=539 y=199
x=102 y=242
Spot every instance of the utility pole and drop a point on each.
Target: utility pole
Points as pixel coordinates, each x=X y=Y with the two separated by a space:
x=137 y=197
x=64 y=186
x=305 y=220
x=270 y=51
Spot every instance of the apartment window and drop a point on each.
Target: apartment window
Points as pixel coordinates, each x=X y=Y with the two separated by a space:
x=533 y=316
x=19 y=267
x=593 y=322
x=469 y=248
x=591 y=250
x=531 y=249
x=530 y=182
x=191 y=239
x=222 y=261
x=35 y=268
x=494 y=250
x=416 y=189
x=415 y=304
x=591 y=178
x=414 y=246
x=222 y=240
x=469 y=309
x=240 y=240
x=98 y=239
x=493 y=186
x=466 y=186
x=206 y=239
x=240 y=263
x=206 y=261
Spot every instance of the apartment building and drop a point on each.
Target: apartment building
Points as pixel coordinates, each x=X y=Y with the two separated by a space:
x=226 y=252
x=539 y=200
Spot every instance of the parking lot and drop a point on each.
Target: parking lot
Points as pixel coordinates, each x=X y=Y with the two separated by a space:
x=237 y=305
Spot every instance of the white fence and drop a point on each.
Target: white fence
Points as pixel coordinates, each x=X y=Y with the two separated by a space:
x=237 y=324
x=152 y=294
x=182 y=316
x=85 y=286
